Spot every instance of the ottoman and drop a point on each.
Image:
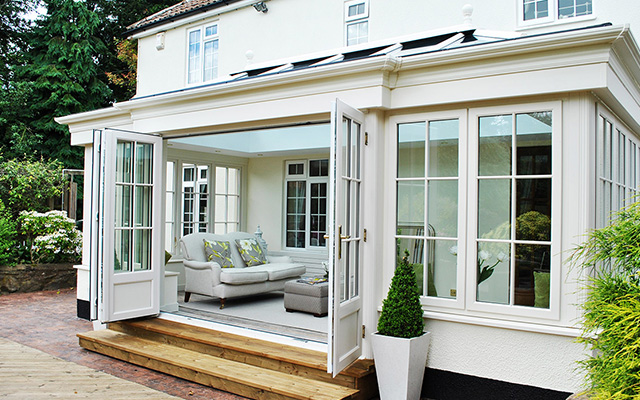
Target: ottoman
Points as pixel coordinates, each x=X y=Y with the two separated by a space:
x=305 y=297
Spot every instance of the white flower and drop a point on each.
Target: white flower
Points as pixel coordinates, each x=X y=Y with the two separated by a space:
x=502 y=257
x=484 y=255
x=453 y=250
x=245 y=244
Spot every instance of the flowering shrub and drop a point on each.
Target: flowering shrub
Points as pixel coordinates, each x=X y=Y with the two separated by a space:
x=50 y=237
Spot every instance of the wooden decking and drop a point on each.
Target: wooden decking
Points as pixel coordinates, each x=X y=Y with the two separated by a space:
x=27 y=373
x=248 y=367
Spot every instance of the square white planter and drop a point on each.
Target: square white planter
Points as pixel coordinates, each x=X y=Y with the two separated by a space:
x=400 y=365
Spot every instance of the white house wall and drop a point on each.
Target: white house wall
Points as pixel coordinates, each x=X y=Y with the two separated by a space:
x=291 y=28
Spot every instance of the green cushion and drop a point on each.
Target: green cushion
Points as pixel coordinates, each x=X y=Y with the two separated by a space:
x=541 y=284
x=218 y=251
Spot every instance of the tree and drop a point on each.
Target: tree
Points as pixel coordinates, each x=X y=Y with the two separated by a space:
x=61 y=76
x=12 y=28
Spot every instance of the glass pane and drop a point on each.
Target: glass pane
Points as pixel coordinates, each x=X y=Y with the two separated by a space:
x=232 y=212
x=121 y=256
x=411 y=152
x=210 y=59
x=493 y=272
x=221 y=208
x=533 y=264
x=123 y=206
x=533 y=141
x=194 y=56
x=144 y=163
x=443 y=148
x=410 y=213
x=143 y=203
x=442 y=261
x=442 y=214
x=494 y=145
x=203 y=205
x=188 y=173
x=234 y=183
x=533 y=209
x=494 y=208
x=355 y=150
x=346 y=140
x=221 y=180
x=415 y=248
x=123 y=162
x=170 y=176
x=211 y=30
x=168 y=237
x=142 y=250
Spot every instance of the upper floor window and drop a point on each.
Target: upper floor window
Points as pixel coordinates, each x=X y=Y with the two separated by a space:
x=203 y=54
x=306 y=203
x=533 y=12
x=356 y=17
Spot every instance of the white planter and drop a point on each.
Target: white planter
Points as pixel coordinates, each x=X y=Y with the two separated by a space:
x=400 y=365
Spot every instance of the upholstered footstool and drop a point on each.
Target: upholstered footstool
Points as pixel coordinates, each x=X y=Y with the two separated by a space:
x=300 y=296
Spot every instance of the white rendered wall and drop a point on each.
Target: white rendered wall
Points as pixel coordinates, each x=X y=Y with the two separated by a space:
x=297 y=27
x=526 y=358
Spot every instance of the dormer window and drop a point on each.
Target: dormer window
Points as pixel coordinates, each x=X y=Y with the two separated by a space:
x=535 y=12
x=356 y=17
x=203 y=54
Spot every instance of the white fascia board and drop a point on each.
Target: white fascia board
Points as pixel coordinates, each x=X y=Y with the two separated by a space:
x=162 y=27
x=81 y=125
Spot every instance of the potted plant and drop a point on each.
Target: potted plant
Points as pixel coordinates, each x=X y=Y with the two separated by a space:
x=400 y=346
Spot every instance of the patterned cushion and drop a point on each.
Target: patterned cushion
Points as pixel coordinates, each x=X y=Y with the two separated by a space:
x=251 y=252
x=219 y=252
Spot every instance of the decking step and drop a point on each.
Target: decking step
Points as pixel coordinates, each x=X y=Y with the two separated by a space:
x=231 y=376
x=291 y=360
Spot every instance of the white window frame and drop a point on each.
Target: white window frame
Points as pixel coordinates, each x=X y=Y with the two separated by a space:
x=201 y=59
x=552 y=18
x=228 y=196
x=356 y=19
x=461 y=116
x=465 y=302
x=618 y=166
x=309 y=180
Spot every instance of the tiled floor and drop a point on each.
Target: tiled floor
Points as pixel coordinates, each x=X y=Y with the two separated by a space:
x=46 y=321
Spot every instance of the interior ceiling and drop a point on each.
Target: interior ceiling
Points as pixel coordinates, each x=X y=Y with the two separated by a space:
x=304 y=139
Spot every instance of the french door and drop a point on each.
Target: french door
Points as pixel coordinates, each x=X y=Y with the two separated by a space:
x=345 y=237
x=126 y=225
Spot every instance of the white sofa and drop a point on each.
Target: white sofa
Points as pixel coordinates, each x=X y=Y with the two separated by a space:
x=209 y=279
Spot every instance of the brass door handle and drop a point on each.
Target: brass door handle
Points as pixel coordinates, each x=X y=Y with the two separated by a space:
x=341 y=238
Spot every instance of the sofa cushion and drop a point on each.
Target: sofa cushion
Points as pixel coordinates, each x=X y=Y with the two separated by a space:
x=218 y=251
x=242 y=276
x=278 y=271
x=251 y=252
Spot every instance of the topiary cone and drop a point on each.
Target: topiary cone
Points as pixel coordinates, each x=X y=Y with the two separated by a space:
x=401 y=311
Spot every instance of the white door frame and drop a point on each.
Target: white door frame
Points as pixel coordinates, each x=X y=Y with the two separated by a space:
x=346 y=237
x=132 y=292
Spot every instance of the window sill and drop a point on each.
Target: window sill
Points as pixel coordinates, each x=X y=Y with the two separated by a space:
x=497 y=323
x=524 y=26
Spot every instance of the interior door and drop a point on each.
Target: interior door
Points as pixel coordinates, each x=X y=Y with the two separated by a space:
x=345 y=238
x=126 y=249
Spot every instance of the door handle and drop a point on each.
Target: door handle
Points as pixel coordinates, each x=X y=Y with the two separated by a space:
x=341 y=237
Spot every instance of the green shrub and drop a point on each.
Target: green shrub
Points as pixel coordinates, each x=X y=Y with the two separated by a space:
x=8 y=238
x=29 y=185
x=611 y=320
x=401 y=311
x=51 y=237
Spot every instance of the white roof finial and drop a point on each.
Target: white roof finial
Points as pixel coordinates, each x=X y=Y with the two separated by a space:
x=467 y=10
